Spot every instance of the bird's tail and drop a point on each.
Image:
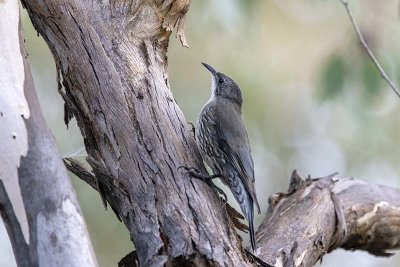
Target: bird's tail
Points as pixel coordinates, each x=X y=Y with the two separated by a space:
x=246 y=204
x=247 y=207
x=250 y=219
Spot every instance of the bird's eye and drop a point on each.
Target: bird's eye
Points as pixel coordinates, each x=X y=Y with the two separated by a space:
x=221 y=80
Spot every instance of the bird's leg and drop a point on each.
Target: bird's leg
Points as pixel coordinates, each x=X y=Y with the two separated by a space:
x=208 y=179
x=197 y=174
x=188 y=169
x=215 y=187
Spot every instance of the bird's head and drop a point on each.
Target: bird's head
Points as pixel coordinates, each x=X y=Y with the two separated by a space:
x=224 y=87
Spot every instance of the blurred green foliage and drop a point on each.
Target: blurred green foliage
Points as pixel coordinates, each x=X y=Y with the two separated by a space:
x=333 y=77
x=335 y=73
x=371 y=79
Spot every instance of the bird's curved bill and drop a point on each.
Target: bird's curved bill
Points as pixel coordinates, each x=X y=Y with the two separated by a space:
x=211 y=69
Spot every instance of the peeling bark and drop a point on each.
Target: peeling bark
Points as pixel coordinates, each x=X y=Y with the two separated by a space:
x=320 y=215
x=113 y=62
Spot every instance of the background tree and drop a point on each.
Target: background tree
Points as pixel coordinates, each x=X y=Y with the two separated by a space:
x=47 y=229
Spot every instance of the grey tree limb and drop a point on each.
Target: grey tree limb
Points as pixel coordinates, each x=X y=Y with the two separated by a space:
x=317 y=216
x=14 y=231
x=57 y=231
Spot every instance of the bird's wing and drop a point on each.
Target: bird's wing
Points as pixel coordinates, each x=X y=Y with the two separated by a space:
x=233 y=141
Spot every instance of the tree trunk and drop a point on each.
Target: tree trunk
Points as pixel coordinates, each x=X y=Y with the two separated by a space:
x=57 y=232
x=113 y=61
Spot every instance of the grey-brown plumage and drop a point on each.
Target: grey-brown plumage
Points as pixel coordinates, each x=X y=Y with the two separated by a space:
x=223 y=143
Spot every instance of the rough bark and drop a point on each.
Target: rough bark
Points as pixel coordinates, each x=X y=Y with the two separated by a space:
x=112 y=57
x=57 y=232
x=317 y=216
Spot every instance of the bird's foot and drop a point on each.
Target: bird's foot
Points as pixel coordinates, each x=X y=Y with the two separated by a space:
x=198 y=174
x=219 y=190
x=208 y=179
x=189 y=170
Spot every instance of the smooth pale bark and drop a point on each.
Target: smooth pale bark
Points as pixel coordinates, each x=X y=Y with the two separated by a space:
x=57 y=231
x=13 y=109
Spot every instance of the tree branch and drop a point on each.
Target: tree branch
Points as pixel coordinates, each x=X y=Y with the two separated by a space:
x=325 y=213
x=81 y=172
x=369 y=52
x=14 y=230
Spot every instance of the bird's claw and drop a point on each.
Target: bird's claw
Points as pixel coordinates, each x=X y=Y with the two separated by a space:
x=193 y=172
x=220 y=191
x=188 y=169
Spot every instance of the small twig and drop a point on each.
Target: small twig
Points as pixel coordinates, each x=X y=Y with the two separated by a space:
x=369 y=52
x=98 y=179
x=89 y=177
x=130 y=260
x=80 y=171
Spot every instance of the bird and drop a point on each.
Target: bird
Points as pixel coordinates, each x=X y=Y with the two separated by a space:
x=223 y=143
